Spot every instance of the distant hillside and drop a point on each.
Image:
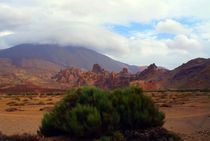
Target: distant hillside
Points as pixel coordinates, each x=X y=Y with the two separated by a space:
x=194 y=74
x=35 y=64
x=68 y=56
x=152 y=72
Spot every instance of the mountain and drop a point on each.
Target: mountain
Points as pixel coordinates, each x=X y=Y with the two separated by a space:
x=69 y=56
x=35 y=64
x=150 y=78
x=195 y=74
x=53 y=67
x=152 y=72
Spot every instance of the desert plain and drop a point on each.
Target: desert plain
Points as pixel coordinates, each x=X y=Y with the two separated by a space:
x=187 y=113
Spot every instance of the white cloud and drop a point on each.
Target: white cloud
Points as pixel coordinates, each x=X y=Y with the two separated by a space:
x=5 y=33
x=11 y=17
x=172 y=27
x=79 y=34
x=148 y=51
x=82 y=23
x=169 y=53
x=203 y=29
x=184 y=43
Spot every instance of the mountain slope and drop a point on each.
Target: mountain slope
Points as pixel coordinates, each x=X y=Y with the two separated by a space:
x=194 y=74
x=152 y=72
x=35 y=64
x=62 y=56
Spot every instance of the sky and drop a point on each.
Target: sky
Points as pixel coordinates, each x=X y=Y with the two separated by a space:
x=139 y=32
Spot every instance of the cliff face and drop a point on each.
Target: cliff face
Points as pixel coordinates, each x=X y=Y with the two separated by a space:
x=110 y=80
x=98 y=77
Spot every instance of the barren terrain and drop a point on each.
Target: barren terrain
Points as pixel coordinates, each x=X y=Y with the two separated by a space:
x=187 y=113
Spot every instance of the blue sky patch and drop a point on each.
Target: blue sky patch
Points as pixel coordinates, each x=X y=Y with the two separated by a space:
x=188 y=21
x=165 y=36
x=127 y=30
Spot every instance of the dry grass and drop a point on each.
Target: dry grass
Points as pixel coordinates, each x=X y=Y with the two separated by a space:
x=13 y=103
x=12 y=109
x=36 y=103
x=46 y=109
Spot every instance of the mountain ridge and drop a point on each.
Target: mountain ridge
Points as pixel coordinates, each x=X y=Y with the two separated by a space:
x=57 y=67
x=65 y=56
x=35 y=64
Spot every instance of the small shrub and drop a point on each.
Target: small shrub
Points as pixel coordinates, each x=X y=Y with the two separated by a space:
x=92 y=112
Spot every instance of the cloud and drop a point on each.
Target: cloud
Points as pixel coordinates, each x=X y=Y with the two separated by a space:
x=203 y=29
x=79 y=34
x=83 y=23
x=11 y=17
x=112 y=11
x=147 y=49
x=184 y=43
x=5 y=33
x=172 y=27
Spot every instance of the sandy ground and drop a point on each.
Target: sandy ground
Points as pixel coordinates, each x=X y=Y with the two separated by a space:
x=187 y=114
x=27 y=115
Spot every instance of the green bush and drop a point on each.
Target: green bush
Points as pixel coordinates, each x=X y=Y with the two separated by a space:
x=83 y=120
x=92 y=112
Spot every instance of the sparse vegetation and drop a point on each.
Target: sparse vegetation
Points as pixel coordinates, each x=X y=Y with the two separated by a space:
x=94 y=113
x=178 y=90
x=23 y=137
x=11 y=109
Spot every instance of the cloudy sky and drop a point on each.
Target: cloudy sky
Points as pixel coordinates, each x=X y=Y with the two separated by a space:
x=140 y=32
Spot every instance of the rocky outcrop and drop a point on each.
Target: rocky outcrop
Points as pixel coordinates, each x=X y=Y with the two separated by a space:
x=124 y=71
x=152 y=72
x=110 y=80
x=98 y=77
x=97 y=69
x=194 y=74
x=69 y=75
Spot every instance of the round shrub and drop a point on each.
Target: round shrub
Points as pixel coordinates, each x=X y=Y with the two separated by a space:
x=92 y=112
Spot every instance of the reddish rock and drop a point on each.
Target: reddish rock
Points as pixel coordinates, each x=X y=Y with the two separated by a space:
x=98 y=77
x=97 y=68
x=124 y=71
x=151 y=73
x=104 y=79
